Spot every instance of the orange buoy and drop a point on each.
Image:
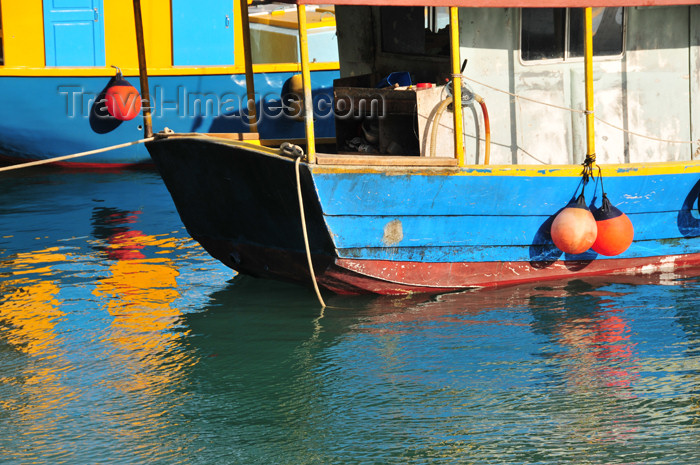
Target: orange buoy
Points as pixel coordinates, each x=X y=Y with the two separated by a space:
x=122 y=99
x=615 y=230
x=574 y=228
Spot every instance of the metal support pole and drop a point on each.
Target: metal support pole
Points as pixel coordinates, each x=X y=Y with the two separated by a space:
x=306 y=77
x=588 y=60
x=456 y=85
x=143 y=71
x=248 y=60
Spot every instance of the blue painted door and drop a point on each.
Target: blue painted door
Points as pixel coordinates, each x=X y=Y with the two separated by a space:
x=74 y=33
x=203 y=32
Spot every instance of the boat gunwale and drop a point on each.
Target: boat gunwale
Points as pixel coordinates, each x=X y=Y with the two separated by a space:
x=387 y=163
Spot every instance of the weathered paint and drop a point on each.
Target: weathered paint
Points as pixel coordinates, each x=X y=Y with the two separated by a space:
x=651 y=89
x=390 y=277
x=401 y=231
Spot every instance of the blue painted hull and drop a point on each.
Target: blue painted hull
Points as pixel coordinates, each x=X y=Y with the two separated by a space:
x=45 y=117
x=497 y=217
x=417 y=229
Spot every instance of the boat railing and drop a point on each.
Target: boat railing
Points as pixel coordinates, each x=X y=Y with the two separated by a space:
x=308 y=115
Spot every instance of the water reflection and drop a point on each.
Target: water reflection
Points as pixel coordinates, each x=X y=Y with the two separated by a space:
x=592 y=336
x=139 y=292
x=29 y=307
x=90 y=306
x=31 y=359
x=518 y=375
x=121 y=341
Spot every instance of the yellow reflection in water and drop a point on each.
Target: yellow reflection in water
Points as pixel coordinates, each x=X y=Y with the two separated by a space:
x=29 y=309
x=139 y=294
x=29 y=313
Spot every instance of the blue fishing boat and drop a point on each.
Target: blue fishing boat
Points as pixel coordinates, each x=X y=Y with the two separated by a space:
x=571 y=152
x=59 y=59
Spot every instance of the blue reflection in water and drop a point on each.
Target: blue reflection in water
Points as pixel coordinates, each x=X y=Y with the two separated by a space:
x=121 y=341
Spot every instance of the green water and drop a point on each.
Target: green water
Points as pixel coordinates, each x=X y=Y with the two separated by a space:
x=122 y=342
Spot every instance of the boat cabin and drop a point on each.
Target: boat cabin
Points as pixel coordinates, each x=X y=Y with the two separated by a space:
x=525 y=67
x=58 y=60
x=471 y=152
x=44 y=37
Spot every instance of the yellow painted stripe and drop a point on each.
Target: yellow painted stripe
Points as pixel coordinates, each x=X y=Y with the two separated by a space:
x=621 y=170
x=254 y=146
x=612 y=170
x=166 y=71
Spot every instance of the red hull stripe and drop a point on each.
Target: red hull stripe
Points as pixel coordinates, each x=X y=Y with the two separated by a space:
x=10 y=160
x=350 y=276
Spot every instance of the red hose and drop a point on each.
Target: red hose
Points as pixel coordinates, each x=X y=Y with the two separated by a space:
x=487 y=130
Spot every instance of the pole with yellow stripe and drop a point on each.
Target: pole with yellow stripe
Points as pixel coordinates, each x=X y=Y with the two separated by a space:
x=143 y=71
x=306 y=77
x=456 y=84
x=248 y=59
x=588 y=60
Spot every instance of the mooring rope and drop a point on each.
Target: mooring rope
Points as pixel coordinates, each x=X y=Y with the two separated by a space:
x=306 y=235
x=574 y=110
x=75 y=155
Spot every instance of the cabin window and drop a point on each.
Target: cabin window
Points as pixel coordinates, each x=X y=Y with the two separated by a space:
x=415 y=30
x=557 y=33
x=274 y=33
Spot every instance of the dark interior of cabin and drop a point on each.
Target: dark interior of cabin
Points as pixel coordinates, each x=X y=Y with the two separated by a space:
x=392 y=51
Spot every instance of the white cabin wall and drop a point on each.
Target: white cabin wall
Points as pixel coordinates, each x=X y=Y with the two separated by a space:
x=522 y=131
x=658 y=82
x=648 y=91
x=694 y=67
x=486 y=36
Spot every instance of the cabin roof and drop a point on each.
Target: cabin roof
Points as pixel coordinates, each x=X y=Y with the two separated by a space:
x=499 y=3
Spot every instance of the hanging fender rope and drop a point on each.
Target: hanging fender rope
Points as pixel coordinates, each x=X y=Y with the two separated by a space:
x=75 y=155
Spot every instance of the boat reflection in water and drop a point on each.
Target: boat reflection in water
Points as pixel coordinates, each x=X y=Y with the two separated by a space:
x=30 y=303
x=119 y=341
x=563 y=368
x=29 y=314
x=139 y=293
x=90 y=342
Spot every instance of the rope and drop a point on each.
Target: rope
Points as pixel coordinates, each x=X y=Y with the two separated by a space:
x=306 y=235
x=573 y=110
x=75 y=155
x=669 y=141
x=291 y=150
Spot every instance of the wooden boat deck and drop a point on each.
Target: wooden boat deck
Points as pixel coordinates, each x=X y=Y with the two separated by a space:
x=382 y=160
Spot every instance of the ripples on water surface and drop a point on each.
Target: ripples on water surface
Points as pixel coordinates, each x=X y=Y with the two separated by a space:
x=122 y=342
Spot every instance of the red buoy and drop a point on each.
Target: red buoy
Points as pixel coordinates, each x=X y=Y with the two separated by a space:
x=122 y=99
x=615 y=230
x=574 y=228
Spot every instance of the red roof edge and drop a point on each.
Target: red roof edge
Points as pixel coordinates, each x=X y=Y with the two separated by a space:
x=498 y=3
